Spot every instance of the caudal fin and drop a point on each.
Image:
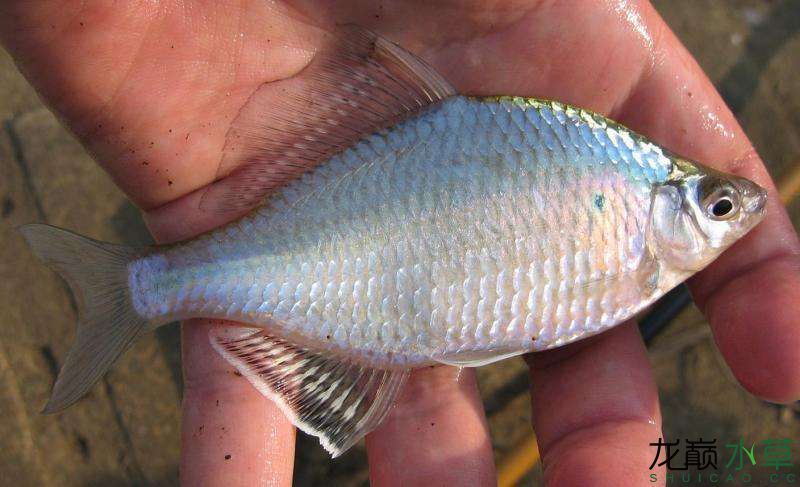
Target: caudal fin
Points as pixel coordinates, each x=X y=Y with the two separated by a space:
x=107 y=322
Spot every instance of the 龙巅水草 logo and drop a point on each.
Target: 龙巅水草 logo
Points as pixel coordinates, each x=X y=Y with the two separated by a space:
x=708 y=461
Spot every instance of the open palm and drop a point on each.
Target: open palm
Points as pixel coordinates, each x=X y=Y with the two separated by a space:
x=151 y=88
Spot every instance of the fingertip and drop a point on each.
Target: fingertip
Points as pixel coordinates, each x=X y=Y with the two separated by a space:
x=756 y=321
x=436 y=434
x=607 y=379
x=595 y=410
x=184 y=218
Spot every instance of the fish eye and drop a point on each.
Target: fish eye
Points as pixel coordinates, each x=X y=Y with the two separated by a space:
x=722 y=204
x=722 y=207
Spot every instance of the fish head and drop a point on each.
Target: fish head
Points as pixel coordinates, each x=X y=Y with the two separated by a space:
x=699 y=212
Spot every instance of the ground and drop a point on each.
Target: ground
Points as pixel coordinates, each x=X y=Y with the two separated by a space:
x=127 y=431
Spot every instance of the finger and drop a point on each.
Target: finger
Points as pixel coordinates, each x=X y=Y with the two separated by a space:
x=595 y=411
x=436 y=434
x=751 y=294
x=231 y=434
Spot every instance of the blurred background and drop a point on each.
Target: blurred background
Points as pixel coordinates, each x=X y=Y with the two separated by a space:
x=127 y=431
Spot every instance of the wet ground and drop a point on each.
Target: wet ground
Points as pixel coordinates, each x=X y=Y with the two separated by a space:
x=127 y=431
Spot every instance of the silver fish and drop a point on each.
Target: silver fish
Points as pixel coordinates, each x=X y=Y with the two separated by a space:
x=436 y=229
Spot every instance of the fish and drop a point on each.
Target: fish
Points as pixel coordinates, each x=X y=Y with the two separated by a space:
x=412 y=226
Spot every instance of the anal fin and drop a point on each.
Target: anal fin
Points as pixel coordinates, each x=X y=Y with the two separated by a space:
x=338 y=401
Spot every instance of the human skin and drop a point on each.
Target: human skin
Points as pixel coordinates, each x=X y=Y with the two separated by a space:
x=151 y=87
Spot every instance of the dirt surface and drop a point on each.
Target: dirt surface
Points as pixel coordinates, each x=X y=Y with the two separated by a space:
x=126 y=432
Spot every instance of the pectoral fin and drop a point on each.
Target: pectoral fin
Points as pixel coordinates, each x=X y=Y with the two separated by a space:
x=477 y=358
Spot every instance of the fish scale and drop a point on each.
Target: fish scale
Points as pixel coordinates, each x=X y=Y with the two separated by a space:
x=405 y=198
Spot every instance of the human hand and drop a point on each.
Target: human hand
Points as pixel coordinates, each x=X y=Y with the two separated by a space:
x=150 y=88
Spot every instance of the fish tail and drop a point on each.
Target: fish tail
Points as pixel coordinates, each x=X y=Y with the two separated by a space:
x=108 y=324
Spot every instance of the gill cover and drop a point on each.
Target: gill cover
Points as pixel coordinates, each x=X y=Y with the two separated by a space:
x=675 y=236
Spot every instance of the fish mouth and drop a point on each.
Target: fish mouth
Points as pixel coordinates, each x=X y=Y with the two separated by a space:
x=759 y=200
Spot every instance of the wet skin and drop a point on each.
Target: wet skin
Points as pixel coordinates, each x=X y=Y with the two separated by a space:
x=150 y=88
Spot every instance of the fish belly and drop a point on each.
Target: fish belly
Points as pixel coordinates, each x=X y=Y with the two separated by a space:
x=480 y=225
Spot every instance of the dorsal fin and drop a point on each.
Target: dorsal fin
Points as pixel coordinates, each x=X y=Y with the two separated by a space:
x=337 y=400
x=357 y=85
